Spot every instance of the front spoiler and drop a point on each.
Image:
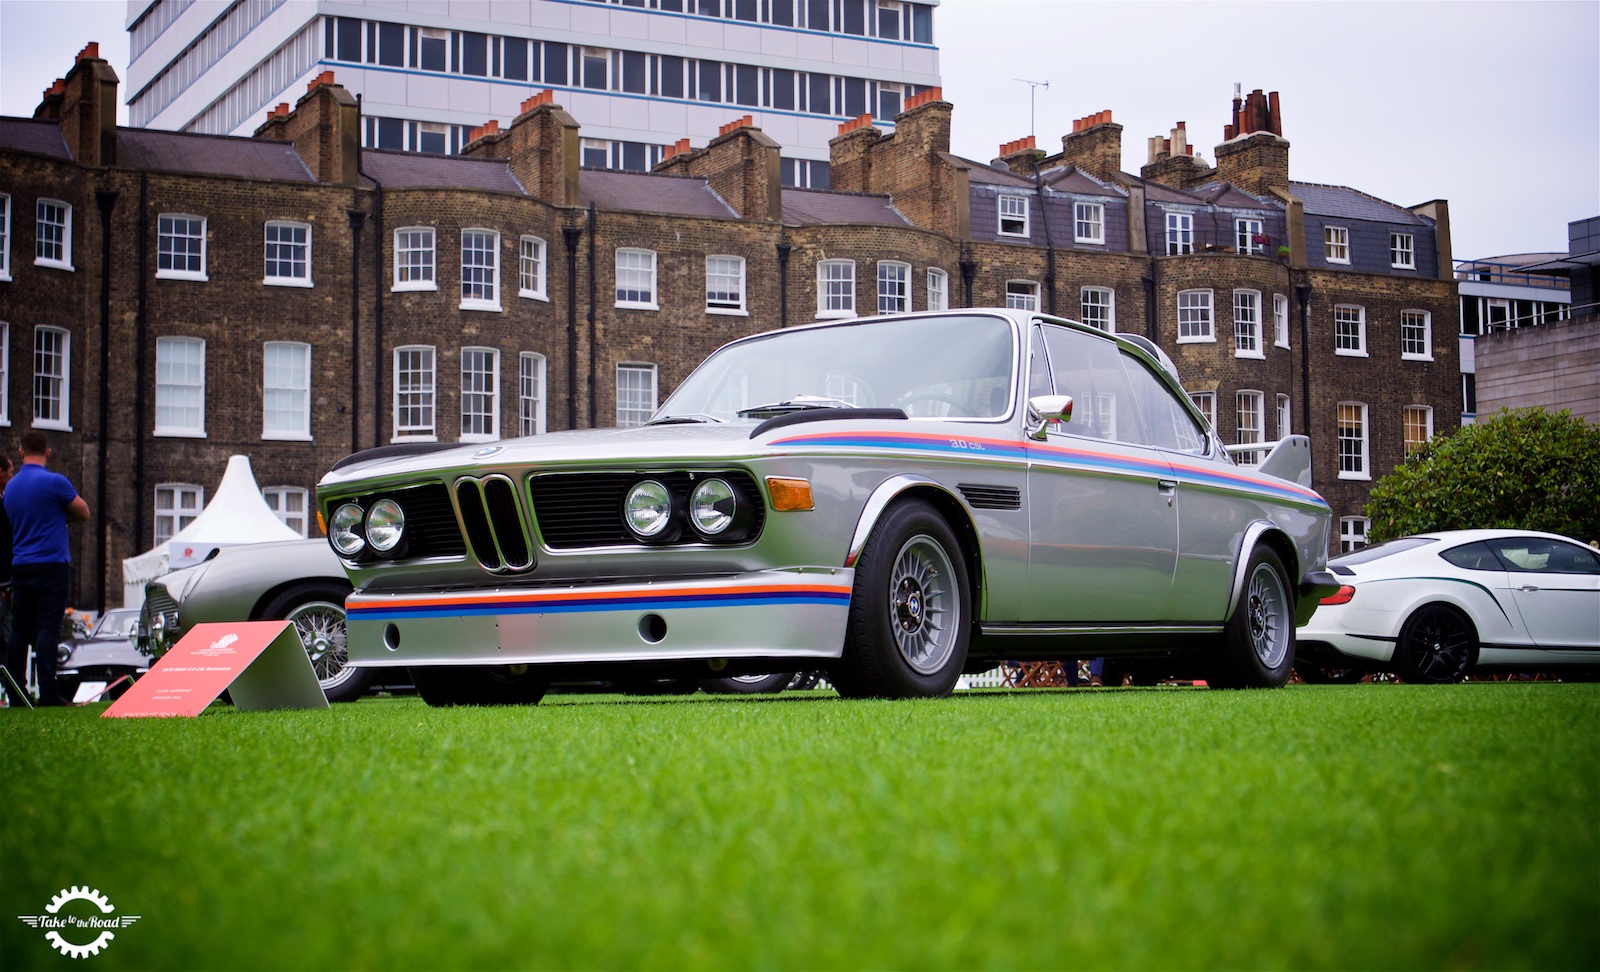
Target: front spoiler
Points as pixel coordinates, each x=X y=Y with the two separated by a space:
x=797 y=613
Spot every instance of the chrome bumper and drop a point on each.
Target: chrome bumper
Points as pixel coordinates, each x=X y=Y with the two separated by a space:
x=794 y=613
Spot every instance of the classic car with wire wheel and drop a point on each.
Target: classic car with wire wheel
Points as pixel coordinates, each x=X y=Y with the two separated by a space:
x=892 y=500
x=1436 y=607
x=294 y=580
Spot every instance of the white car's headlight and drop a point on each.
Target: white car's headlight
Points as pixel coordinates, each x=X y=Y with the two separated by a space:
x=647 y=509
x=344 y=532
x=386 y=523
x=712 y=506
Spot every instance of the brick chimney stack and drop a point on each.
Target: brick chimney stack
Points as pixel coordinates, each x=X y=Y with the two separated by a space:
x=323 y=125
x=1020 y=156
x=1254 y=155
x=1172 y=161
x=742 y=165
x=1094 y=146
x=85 y=103
x=849 y=155
x=542 y=146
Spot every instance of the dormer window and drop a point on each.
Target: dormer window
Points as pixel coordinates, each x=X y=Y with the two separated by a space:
x=1013 y=215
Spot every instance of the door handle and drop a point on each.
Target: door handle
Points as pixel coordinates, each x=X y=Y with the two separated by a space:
x=1527 y=588
x=1168 y=487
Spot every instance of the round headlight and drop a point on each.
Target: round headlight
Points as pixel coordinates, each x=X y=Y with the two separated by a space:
x=648 y=508
x=344 y=532
x=712 y=505
x=385 y=523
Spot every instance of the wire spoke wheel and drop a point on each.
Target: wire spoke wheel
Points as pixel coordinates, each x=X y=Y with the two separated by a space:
x=920 y=603
x=321 y=628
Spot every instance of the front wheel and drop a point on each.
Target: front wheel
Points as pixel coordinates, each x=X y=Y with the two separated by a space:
x=1257 y=649
x=317 y=613
x=497 y=685
x=1437 y=645
x=910 y=611
x=747 y=684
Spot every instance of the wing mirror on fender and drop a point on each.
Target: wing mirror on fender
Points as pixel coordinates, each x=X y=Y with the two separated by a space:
x=1044 y=409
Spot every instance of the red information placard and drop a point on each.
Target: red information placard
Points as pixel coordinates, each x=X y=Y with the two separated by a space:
x=261 y=662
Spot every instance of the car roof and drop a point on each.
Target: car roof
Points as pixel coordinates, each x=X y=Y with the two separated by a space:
x=1469 y=536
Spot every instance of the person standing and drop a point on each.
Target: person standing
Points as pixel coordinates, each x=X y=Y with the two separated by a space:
x=40 y=504
x=7 y=468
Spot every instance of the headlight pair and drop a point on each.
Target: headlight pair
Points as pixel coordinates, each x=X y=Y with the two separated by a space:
x=353 y=529
x=713 y=507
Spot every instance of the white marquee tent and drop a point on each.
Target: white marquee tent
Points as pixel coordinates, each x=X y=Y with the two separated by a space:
x=236 y=514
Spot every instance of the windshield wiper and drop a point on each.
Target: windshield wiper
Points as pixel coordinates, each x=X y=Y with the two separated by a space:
x=687 y=418
x=797 y=404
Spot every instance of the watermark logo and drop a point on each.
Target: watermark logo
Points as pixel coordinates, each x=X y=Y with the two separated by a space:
x=79 y=927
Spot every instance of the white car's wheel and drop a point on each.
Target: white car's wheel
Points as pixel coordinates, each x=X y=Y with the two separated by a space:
x=1437 y=645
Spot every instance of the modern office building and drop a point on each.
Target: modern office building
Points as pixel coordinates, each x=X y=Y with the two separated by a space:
x=638 y=75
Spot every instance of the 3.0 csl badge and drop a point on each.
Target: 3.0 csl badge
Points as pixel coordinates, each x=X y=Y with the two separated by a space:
x=79 y=926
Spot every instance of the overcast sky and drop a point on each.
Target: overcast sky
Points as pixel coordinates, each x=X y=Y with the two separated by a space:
x=1493 y=106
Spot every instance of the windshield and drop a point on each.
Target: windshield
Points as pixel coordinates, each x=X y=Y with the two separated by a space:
x=932 y=367
x=116 y=624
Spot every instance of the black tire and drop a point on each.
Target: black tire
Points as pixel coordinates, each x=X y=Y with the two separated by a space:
x=1317 y=675
x=656 y=686
x=910 y=612
x=1257 y=645
x=497 y=685
x=317 y=610
x=1437 y=645
x=748 y=684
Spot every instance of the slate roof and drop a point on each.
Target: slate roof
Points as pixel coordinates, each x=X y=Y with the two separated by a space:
x=33 y=137
x=806 y=206
x=1347 y=203
x=221 y=155
x=1080 y=182
x=1227 y=194
x=413 y=170
x=644 y=192
x=1157 y=193
x=982 y=173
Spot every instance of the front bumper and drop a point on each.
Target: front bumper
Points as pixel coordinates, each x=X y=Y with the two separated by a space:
x=798 y=613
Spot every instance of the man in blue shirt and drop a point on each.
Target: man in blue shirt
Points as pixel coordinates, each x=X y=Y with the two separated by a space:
x=39 y=504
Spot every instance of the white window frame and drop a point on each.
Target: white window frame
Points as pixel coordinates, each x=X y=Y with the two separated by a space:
x=167 y=387
x=836 y=289
x=1280 y=320
x=277 y=499
x=484 y=266
x=1247 y=336
x=1285 y=417
x=1180 y=233
x=1022 y=295
x=1353 y=532
x=64 y=262
x=1422 y=320
x=5 y=236
x=419 y=274
x=5 y=374
x=480 y=363
x=1425 y=415
x=62 y=397
x=894 y=275
x=276 y=392
x=1089 y=223
x=725 y=285
x=174 y=515
x=938 y=289
x=274 y=280
x=1206 y=403
x=1403 y=251
x=425 y=395
x=1336 y=244
x=1342 y=334
x=533 y=263
x=1107 y=307
x=1006 y=208
x=1250 y=420
x=162 y=236
x=632 y=410
x=1201 y=317
x=1244 y=235
x=1360 y=463
x=643 y=275
x=531 y=393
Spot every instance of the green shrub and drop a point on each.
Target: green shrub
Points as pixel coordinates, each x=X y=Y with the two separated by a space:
x=1525 y=470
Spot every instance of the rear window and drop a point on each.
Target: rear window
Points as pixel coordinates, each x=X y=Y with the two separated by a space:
x=1367 y=555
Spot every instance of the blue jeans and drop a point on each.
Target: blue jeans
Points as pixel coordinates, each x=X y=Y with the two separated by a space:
x=38 y=603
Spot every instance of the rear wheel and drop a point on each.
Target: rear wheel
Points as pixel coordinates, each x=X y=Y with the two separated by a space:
x=499 y=685
x=1257 y=648
x=317 y=612
x=910 y=611
x=1437 y=645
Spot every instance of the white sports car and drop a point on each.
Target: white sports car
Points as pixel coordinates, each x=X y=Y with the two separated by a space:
x=1436 y=606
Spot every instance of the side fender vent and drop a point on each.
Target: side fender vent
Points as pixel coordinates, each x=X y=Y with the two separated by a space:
x=991 y=497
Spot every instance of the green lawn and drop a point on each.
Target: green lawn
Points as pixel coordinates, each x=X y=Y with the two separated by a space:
x=1362 y=826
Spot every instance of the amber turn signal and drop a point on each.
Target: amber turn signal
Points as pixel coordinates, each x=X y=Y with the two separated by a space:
x=789 y=494
x=322 y=523
x=1341 y=596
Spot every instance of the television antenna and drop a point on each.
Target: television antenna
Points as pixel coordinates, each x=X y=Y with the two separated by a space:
x=1033 y=89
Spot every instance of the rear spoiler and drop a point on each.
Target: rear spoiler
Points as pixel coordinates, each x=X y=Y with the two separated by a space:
x=1288 y=458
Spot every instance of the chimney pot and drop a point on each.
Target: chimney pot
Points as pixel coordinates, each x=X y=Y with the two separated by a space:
x=91 y=51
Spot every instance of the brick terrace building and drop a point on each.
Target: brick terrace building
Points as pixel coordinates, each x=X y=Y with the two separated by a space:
x=295 y=298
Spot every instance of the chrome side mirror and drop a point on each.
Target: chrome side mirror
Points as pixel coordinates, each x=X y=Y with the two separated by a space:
x=1044 y=409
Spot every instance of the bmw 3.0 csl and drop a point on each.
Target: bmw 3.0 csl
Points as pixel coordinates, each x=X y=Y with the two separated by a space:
x=894 y=500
